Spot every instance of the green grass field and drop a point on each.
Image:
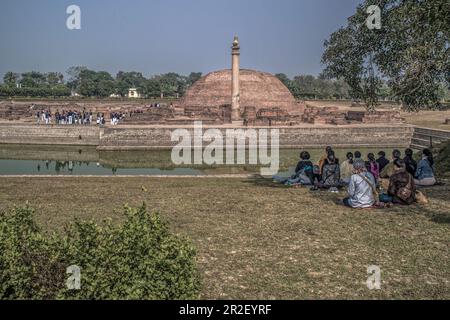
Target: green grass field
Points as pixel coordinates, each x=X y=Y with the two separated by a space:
x=257 y=240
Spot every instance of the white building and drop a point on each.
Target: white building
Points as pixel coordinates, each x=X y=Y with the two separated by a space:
x=75 y=94
x=133 y=93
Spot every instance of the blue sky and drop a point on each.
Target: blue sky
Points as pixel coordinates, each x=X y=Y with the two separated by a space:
x=158 y=36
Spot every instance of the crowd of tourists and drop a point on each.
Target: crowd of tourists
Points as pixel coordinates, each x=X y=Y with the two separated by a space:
x=76 y=117
x=116 y=117
x=371 y=182
x=73 y=117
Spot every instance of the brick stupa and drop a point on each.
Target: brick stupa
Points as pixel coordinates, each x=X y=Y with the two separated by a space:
x=240 y=95
x=257 y=89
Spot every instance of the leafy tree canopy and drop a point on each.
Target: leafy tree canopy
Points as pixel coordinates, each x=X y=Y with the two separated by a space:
x=410 y=52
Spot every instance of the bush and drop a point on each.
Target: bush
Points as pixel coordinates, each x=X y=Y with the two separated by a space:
x=443 y=160
x=139 y=259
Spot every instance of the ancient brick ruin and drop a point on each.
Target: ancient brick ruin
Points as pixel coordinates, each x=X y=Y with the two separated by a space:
x=267 y=114
x=12 y=112
x=233 y=96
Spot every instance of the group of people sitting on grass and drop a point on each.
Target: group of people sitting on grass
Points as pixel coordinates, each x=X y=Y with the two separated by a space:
x=396 y=179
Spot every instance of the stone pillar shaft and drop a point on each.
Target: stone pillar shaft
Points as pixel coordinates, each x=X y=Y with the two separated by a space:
x=235 y=95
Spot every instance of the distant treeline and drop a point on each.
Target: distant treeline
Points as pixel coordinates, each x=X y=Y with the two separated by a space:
x=90 y=83
x=101 y=84
x=311 y=87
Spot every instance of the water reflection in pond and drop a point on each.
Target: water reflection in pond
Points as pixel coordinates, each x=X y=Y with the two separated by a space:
x=50 y=167
x=75 y=160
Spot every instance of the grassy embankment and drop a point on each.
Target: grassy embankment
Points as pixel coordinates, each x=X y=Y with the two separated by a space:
x=257 y=240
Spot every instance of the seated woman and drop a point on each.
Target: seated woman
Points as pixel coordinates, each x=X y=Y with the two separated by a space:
x=303 y=172
x=304 y=169
x=372 y=166
x=323 y=159
x=382 y=161
x=411 y=164
x=331 y=172
x=402 y=189
x=388 y=170
x=425 y=173
x=362 y=187
x=347 y=169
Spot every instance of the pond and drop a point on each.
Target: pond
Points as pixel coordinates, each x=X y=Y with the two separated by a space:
x=76 y=160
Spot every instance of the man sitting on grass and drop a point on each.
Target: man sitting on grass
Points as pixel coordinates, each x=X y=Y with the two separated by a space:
x=362 y=187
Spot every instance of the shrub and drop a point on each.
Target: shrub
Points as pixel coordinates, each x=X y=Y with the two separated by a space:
x=443 y=160
x=139 y=259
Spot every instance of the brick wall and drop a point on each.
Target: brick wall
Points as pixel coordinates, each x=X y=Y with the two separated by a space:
x=290 y=137
x=146 y=137
x=49 y=134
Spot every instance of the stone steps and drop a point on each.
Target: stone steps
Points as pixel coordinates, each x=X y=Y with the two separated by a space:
x=428 y=138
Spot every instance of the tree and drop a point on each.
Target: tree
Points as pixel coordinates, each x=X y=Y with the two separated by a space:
x=95 y=84
x=172 y=84
x=74 y=76
x=54 y=78
x=349 y=55
x=152 y=87
x=105 y=84
x=192 y=78
x=127 y=80
x=87 y=85
x=340 y=89
x=33 y=79
x=410 y=51
x=291 y=85
x=11 y=79
x=306 y=85
x=311 y=87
